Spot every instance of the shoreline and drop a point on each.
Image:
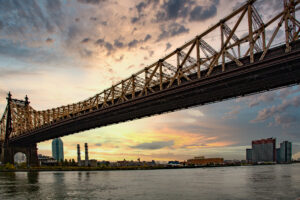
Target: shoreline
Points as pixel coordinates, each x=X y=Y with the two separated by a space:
x=127 y=168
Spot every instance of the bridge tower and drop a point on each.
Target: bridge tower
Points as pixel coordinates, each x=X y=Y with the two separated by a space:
x=8 y=121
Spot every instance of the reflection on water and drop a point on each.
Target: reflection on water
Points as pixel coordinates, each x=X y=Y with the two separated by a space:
x=17 y=184
x=33 y=185
x=253 y=182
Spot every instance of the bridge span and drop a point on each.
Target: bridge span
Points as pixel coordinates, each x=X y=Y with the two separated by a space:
x=202 y=73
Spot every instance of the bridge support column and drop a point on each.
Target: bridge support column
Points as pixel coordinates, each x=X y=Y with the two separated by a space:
x=8 y=152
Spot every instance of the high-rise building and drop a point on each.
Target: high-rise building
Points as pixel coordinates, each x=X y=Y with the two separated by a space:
x=278 y=160
x=86 y=155
x=264 y=150
x=58 y=149
x=78 y=155
x=285 y=152
x=249 y=155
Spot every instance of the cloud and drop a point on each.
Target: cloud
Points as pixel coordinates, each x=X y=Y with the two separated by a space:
x=269 y=112
x=3 y=94
x=171 y=30
x=53 y=5
x=140 y=7
x=104 y=23
x=232 y=114
x=285 y=120
x=93 y=18
x=270 y=7
x=118 y=44
x=154 y=145
x=17 y=72
x=133 y=43
x=107 y=45
x=85 y=40
x=28 y=54
x=73 y=32
x=130 y=66
x=200 y=14
x=148 y=37
x=56 y=14
x=134 y=20
x=144 y=4
x=266 y=97
x=283 y=93
x=49 y=40
x=85 y=53
x=14 y=49
x=21 y=18
x=168 y=46
x=120 y=58
x=173 y=9
x=95 y=2
x=100 y=42
x=151 y=52
x=195 y=113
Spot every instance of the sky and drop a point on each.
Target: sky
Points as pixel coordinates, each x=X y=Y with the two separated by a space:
x=62 y=51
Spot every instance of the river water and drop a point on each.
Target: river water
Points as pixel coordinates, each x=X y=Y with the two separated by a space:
x=249 y=182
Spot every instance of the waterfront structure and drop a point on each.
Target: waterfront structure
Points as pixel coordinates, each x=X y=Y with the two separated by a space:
x=285 y=152
x=78 y=155
x=264 y=150
x=249 y=155
x=174 y=163
x=93 y=163
x=46 y=160
x=126 y=163
x=234 y=162
x=58 y=150
x=199 y=161
x=86 y=163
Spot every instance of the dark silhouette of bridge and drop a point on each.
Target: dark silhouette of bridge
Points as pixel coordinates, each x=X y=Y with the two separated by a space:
x=201 y=71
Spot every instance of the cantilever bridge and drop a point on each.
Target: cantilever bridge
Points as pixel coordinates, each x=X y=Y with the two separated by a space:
x=199 y=72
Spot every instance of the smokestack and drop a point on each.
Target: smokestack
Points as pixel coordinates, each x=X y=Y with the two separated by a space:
x=86 y=155
x=78 y=155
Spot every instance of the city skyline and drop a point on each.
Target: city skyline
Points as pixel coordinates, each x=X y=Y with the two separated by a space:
x=73 y=55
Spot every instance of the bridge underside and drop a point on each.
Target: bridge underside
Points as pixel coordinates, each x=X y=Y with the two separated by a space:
x=8 y=152
x=277 y=70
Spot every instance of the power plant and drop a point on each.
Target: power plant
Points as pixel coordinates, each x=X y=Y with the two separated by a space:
x=86 y=162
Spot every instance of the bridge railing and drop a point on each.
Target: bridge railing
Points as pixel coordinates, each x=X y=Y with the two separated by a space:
x=242 y=34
